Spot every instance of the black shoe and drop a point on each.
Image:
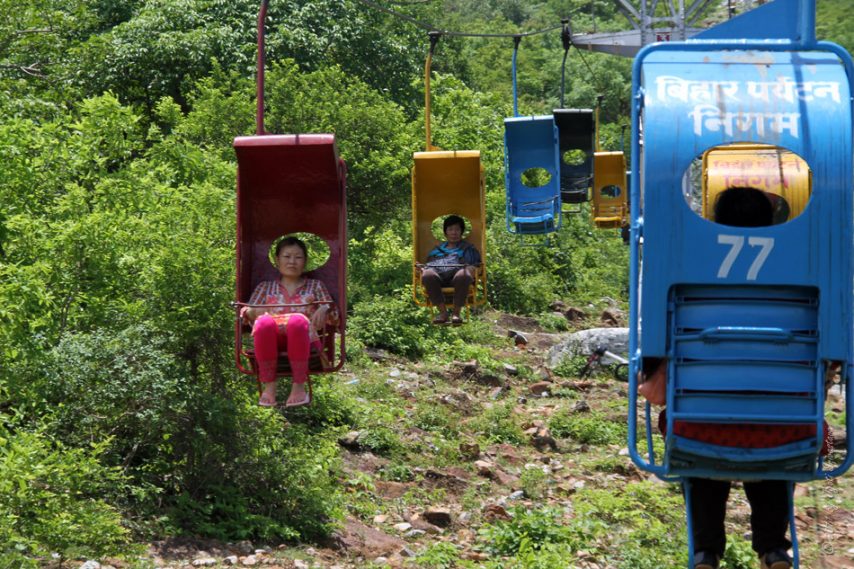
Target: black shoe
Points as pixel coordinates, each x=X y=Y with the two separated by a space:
x=776 y=559
x=706 y=560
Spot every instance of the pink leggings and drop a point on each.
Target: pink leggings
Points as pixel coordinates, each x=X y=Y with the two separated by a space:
x=268 y=339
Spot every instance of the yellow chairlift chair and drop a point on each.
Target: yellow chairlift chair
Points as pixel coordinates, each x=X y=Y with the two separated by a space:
x=444 y=183
x=783 y=175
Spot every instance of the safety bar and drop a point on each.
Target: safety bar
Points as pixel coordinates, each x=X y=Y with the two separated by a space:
x=239 y=353
x=761 y=334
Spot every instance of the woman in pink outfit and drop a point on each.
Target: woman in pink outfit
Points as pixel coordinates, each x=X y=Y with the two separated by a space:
x=295 y=327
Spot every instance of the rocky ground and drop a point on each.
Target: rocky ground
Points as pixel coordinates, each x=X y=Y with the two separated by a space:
x=448 y=497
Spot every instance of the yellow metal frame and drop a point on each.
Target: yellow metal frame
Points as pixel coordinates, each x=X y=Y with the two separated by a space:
x=609 y=169
x=772 y=169
x=444 y=183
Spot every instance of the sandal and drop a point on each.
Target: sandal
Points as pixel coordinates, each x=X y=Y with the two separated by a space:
x=265 y=402
x=299 y=403
x=456 y=320
x=440 y=319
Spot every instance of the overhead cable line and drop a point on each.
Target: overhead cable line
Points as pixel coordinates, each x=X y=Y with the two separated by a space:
x=431 y=28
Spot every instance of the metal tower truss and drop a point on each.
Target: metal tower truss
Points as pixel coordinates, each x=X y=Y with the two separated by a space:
x=678 y=23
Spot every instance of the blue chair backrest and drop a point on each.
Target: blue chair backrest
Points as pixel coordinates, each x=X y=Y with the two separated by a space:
x=747 y=318
x=532 y=142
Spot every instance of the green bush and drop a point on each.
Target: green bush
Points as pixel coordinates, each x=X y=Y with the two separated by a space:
x=439 y=555
x=499 y=424
x=592 y=429
x=537 y=528
x=393 y=323
x=51 y=500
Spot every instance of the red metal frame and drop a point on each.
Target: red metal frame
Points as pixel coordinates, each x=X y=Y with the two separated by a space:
x=294 y=183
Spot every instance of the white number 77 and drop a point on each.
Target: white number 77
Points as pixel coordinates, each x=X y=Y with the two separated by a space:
x=736 y=243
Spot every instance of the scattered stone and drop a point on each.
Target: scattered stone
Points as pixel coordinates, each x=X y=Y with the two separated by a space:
x=543 y=440
x=381 y=561
x=485 y=469
x=464 y=517
x=377 y=354
x=469 y=368
x=584 y=342
x=395 y=373
x=518 y=337
x=249 y=561
x=611 y=317
x=517 y=495
x=522 y=399
x=90 y=565
x=300 y=564
x=406 y=552
x=494 y=512
x=510 y=369
x=230 y=560
x=469 y=451
x=574 y=314
x=204 y=562
x=581 y=406
x=496 y=393
x=540 y=388
x=245 y=547
x=490 y=380
x=415 y=533
x=402 y=527
x=379 y=519
x=557 y=306
x=348 y=441
x=438 y=517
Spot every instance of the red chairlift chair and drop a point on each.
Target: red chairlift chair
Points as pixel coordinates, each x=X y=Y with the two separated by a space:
x=287 y=184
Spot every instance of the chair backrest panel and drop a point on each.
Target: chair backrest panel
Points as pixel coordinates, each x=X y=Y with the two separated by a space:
x=446 y=182
x=576 y=131
x=289 y=184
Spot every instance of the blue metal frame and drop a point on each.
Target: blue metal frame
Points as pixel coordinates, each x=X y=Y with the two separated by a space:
x=709 y=305
x=531 y=142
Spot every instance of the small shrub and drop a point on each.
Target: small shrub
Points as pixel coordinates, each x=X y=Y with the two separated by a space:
x=536 y=527
x=533 y=482
x=397 y=472
x=50 y=501
x=553 y=322
x=498 y=424
x=738 y=555
x=439 y=555
x=590 y=429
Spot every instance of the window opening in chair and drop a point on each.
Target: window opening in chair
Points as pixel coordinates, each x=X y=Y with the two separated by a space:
x=610 y=191
x=438 y=224
x=575 y=157
x=535 y=177
x=784 y=177
x=318 y=250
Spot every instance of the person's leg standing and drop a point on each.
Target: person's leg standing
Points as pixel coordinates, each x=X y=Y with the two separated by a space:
x=708 y=512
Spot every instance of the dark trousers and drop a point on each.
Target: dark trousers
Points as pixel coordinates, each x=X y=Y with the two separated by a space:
x=433 y=283
x=769 y=514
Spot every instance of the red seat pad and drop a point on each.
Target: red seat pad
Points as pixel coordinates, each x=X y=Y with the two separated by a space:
x=752 y=435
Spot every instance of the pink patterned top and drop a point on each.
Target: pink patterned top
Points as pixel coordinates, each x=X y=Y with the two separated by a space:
x=272 y=292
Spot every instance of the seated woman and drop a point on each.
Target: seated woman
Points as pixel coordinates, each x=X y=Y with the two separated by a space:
x=294 y=326
x=452 y=263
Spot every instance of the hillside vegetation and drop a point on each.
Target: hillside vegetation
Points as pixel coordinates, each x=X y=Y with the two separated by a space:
x=124 y=427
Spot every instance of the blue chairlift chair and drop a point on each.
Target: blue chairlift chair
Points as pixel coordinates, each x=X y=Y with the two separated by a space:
x=748 y=319
x=531 y=142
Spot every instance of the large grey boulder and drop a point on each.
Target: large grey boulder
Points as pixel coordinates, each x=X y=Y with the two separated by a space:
x=583 y=342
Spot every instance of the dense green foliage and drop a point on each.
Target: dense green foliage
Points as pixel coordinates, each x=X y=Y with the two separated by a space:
x=122 y=411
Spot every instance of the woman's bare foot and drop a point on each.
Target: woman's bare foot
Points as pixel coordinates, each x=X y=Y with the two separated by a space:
x=298 y=396
x=268 y=396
